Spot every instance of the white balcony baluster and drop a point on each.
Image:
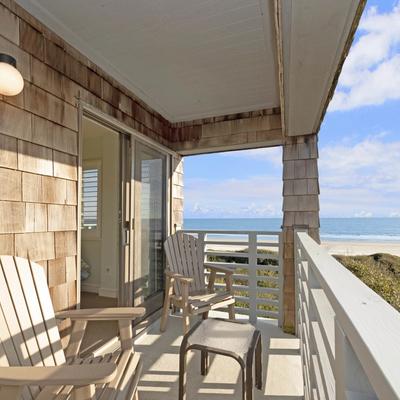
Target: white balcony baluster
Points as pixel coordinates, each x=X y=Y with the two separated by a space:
x=257 y=283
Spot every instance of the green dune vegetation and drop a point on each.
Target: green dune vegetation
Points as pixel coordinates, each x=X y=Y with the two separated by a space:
x=381 y=272
x=269 y=279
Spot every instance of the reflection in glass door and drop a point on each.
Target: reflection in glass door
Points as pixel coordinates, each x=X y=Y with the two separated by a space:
x=150 y=226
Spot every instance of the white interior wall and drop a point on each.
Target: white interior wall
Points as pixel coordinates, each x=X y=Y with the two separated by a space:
x=101 y=252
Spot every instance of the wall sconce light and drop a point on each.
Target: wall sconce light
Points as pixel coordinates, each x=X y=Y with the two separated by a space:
x=11 y=81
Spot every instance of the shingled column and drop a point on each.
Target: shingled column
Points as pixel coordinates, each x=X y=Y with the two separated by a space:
x=300 y=209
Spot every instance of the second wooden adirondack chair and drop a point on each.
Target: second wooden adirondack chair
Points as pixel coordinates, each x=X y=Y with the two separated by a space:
x=33 y=364
x=185 y=281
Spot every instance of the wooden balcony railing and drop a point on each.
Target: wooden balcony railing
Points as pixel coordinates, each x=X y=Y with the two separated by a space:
x=255 y=258
x=350 y=337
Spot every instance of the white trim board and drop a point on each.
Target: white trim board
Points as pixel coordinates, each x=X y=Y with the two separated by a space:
x=89 y=287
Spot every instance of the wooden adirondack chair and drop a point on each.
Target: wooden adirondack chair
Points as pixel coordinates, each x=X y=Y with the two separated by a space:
x=33 y=364
x=185 y=281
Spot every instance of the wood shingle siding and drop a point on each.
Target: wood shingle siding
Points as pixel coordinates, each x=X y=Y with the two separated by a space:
x=7 y=244
x=34 y=158
x=61 y=218
x=15 y=122
x=10 y=185
x=300 y=208
x=39 y=145
x=65 y=166
x=228 y=132
x=36 y=246
x=8 y=153
x=12 y=217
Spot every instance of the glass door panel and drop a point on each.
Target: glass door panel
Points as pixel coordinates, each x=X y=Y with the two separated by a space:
x=150 y=226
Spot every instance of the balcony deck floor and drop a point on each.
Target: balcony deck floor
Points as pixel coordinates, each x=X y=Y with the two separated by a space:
x=160 y=355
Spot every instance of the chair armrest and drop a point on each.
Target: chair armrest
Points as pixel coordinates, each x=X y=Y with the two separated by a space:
x=75 y=375
x=103 y=314
x=179 y=277
x=219 y=268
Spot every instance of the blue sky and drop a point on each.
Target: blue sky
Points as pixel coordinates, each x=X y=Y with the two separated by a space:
x=359 y=142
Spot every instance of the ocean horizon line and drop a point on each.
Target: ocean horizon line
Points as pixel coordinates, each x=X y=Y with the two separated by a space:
x=352 y=229
x=218 y=218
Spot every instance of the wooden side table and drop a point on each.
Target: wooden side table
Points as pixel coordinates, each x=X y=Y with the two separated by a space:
x=238 y=340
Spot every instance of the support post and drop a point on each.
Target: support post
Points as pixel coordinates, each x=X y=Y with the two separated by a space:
x=252 y=274
x=300 y=209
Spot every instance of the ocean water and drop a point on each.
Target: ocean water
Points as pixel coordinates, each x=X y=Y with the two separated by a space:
x=332 y=229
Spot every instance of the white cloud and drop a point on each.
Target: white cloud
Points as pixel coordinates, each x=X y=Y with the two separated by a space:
x=360 y=179
x=355 y=178
x=370 y=75
x=252 y=197
x=272 y=155
x=371 y=163
x=363 y=214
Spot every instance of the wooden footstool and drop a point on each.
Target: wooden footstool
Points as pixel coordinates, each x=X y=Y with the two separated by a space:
x=241 y=341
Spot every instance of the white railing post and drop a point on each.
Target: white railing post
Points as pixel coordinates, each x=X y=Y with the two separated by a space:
x=247 y=282
x=252 y=274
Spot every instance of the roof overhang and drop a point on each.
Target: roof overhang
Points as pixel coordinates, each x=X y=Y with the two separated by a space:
x=315 y=36
x=195 y=59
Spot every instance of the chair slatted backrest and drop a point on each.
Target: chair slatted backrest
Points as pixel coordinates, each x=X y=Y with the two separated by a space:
x=185 y=256
x=28 y=330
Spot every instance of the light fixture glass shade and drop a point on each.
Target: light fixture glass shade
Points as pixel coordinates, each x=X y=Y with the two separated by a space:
x=11 y=81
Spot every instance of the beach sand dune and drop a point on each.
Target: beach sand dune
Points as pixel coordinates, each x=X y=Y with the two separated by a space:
x=361 y=248
x=335 y=247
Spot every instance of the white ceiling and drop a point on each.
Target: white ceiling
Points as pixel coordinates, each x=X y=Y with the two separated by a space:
x=187 y=59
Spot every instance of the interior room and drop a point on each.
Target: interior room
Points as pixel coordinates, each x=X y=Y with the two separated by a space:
x=100 y=209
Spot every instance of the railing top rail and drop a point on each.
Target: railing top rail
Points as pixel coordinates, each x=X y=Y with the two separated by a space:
x=232 y=232
x=370 y=323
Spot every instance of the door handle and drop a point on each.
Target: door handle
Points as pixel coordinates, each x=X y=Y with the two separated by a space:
x=127 y=237
x=126 y=233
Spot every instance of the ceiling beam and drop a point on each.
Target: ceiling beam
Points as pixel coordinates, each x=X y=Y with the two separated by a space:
x=226 y=133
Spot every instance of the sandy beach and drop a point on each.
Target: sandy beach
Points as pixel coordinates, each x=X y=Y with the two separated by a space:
x=335 y=247
x=362 y=248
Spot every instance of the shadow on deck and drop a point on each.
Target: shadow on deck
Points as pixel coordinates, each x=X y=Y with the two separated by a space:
x=282 y=372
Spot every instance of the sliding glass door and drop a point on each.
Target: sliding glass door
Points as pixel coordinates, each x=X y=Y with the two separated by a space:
x=149 y=226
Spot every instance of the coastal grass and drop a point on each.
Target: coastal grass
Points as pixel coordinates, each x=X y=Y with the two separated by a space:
x=244 y=282
x=380 y=271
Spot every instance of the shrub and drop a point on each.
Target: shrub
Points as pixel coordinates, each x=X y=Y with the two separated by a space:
x=243 y=271
x=381 y=272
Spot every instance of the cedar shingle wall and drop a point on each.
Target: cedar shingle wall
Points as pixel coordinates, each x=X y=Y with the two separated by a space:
x=39 y=145
x=300 y=208
x=227 y=132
